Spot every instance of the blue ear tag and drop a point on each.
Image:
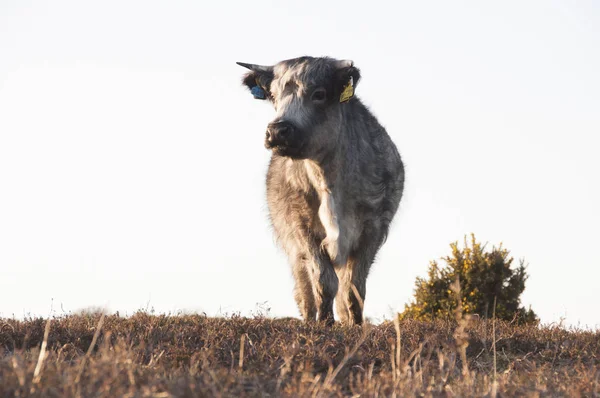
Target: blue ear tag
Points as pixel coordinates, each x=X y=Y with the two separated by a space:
x=258 y=92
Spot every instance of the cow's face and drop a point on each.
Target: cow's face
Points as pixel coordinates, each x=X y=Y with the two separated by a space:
x=307 y=94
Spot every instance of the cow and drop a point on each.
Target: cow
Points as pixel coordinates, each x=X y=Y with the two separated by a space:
x=334 y=181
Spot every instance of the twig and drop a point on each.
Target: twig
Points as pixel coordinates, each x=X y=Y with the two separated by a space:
x=495 y=381
x=398 y=346
x=90 y=349
x=241 y=361
x=460 y=335
x=358 y=298
x=330 y=377
x=37 y=373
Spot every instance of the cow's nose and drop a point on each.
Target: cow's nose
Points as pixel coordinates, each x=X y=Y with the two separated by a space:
x=278 y=132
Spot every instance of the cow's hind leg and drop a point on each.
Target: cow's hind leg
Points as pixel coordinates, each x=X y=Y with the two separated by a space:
x=352 y=290
x=341 y=299
x=357 y=292
x=303 y=291
x=353 y=279
x=325 y=286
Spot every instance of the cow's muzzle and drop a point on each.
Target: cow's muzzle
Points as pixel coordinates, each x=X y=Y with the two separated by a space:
x=281 y=134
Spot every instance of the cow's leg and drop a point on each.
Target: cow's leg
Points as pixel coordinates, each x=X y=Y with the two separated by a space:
x=353 y=280
x=303 y=290
x=341 y=299
x=356 y=287
x=352 y=290
x=325 y=286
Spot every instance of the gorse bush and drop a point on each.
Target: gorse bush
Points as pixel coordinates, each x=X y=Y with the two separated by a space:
x=486 y=277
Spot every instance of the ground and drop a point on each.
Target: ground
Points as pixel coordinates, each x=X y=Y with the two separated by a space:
x=194 y=355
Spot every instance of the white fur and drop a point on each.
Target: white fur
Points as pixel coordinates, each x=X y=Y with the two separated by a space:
x=329 y=219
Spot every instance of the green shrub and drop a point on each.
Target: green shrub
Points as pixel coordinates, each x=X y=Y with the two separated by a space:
x=485 y=277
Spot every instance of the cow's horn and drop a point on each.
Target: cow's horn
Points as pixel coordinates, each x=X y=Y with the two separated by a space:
x=346 y=63
x=256 y=68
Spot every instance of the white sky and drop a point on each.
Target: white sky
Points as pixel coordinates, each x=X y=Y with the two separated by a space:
x=132 y=162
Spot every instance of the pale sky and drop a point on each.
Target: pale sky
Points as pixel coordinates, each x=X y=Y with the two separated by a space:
x=132 y=162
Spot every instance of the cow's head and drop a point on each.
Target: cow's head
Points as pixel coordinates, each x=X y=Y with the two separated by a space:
x=308 y=95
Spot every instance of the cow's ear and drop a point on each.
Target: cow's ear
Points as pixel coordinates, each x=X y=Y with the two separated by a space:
x=259 y=84
x=346 y=77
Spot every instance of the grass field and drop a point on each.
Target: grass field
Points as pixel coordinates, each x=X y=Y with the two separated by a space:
x=194 y=355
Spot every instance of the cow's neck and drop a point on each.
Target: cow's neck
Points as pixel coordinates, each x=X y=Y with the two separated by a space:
x=323 y=174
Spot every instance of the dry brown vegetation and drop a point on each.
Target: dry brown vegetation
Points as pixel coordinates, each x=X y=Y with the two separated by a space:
x=194 y=355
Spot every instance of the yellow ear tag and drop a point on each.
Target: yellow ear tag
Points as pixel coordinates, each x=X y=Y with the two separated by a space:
x=348 y=91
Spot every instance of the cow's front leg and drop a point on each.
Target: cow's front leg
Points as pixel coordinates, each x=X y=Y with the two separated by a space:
x=303 y=290
x=325 y=286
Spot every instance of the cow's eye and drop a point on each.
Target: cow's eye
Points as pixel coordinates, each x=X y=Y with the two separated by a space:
x=319 y=95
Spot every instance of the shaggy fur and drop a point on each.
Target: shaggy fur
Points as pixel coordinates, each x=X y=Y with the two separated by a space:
x=333 y=187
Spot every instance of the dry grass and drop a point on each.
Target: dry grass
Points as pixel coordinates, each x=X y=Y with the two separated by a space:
x=193 y=355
